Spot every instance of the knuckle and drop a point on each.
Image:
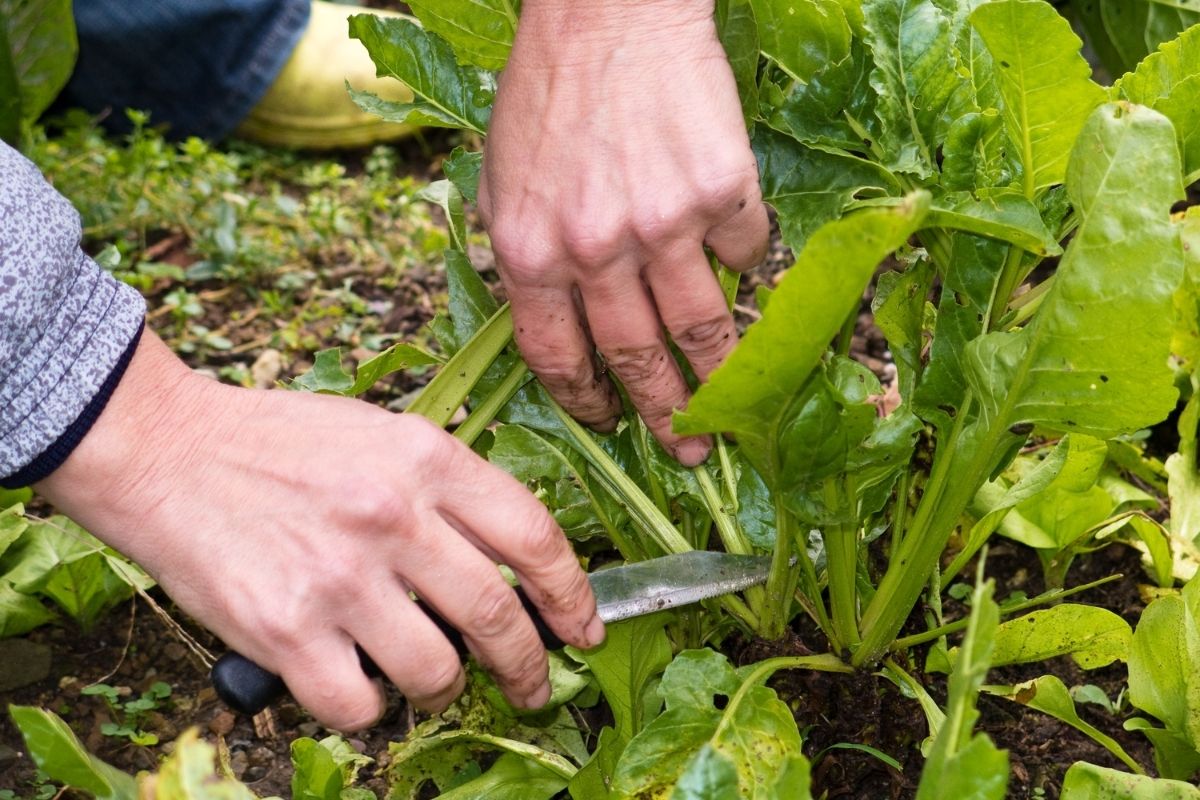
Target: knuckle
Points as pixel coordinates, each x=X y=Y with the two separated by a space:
x=592 y=242
x=542 y=542
x=707 y=341
x=493 y=612
x=438 y=679
x=357 y=713
x=529 y=672
x=375 y=504
x=647 y=366
x=522 y=254
x=572 y=376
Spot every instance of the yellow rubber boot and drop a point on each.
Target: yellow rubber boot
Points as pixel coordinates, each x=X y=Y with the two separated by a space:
x=308 y=106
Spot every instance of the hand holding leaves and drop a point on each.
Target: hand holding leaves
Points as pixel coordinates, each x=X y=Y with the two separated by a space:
x=606 y=248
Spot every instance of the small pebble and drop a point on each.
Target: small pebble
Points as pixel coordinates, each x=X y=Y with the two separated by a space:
x=309 y=729
x=239 y=762
x=222 y=723
x=174 y=651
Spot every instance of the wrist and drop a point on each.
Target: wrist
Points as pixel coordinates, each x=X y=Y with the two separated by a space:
x=149 y=419
x=567 y=28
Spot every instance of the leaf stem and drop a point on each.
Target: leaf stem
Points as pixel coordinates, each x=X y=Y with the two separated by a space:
x=445 y=394
x=485 y=413
x=652 y=521
x=841 y=570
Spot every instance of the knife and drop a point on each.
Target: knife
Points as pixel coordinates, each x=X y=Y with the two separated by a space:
x=621 y=592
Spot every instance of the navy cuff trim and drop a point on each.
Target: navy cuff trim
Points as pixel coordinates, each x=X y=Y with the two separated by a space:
x=53 y=456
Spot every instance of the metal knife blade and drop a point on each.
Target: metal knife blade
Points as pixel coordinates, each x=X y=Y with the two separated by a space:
x=621 y=592
x=675 y=580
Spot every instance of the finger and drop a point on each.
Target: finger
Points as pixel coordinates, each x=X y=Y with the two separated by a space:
x=409 y=648
x=477 y=601
x=628 y=331
x=740 y=242
x=504 y=521
x=693 y=309
x=324 y=675
x=554 y=343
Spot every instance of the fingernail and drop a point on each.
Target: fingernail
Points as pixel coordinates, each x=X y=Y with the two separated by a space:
x=594 y=632
x=538 y=697
x=693 y=452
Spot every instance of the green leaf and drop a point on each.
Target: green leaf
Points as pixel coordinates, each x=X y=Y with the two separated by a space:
x=446 y=195
x=1094 y=359
x=1003 y=215
x=899 y=306
x=751 y=393
x=915 y=77
x=462 y=167
x=633 y=654
x=37 y=56
x=65 y=563
x=1089 y=782
x=480 y=31
x=1049 y=695
x=836 y=108
x=971 y=158
x=20 y=612
x=802 y=36
x=756 y=732
x=962 y=765
x=57 y=752
x=189 y=773
x=327 y=375
x=594 y=779
x=323 y=769
x=1174 y=755
x=739 y=37
x=711 y=775
x=1045 y=82
x=510 y=778
x=396 y=358
x=446 y=95
x=1123 y=32
x=810 y=187
x=1163 y=677
x=1094 y=637
x=1168 y=81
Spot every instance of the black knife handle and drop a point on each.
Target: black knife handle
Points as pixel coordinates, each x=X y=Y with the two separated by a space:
x=247 y=687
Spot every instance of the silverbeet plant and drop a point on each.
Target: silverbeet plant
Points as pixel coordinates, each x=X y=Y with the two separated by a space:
x=1031 y=293
x=963 y=143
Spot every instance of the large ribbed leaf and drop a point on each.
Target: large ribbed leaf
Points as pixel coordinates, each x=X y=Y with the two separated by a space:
x=1044 y=82
x=1169 y=82
x=915 y=77
x=445 y=94
x=1094 y=359
x=480 y=31
x=802 y=36
x=810 y=187
x=751 y=393
x=739 y=37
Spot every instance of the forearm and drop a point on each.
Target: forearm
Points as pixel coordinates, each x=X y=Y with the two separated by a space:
x=65 y=325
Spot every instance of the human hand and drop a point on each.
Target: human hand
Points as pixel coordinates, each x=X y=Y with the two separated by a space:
x=616 y=152
x=293 y=526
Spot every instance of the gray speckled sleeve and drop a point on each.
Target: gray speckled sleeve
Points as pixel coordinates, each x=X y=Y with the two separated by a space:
x=64 y=322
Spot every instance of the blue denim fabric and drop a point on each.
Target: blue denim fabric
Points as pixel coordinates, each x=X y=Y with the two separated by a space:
x=197 y=65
